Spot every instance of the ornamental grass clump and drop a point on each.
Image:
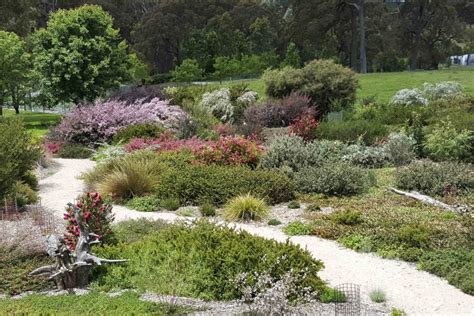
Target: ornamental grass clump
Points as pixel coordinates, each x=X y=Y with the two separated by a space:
x=245 y=207
x=91 y=209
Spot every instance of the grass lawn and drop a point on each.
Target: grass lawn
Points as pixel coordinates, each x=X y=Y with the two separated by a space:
x=384 y=85
x=36 y=122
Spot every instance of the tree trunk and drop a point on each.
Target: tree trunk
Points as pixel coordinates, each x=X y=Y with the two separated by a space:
x=354 y=40
x=15 y=103
x=416 y=50
x=1 y=104
x=363 y=55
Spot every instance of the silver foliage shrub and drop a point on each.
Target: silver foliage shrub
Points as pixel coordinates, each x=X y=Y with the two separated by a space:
x=219 y=102
x=409 y=97
x=365 y=156
x=442 y=90
x=400 y=149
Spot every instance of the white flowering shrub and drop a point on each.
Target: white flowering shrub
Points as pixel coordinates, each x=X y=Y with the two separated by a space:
x=442 y=90
x=248 y=98
x=400 y=149
x=219 y=103
x=409 y=97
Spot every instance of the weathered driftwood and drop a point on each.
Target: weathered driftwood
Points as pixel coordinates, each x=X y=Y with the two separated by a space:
x=71 y=269
x=429 y=200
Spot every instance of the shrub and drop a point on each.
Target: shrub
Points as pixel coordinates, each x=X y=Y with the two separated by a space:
x=107 y=152
x=435 y=178
x=365 y=156
x=186 y=212
x=207 y=210
x=187 y=260
x=230 y=150
x=24 y=194
x=132 y=230
x=323 y=81
x=400 y=149
x=188 y=71
x=145 y=130
x=196 y=184
x=377 y=296
x=446 y=143
x=18 y=154
x=219 y=103
x=347 y=217
x=455 y=265
x=245 y=207
x=293 y=152
x=277 y=113
x=170 y=204
x=313 y=208
x=409 y=97
x=442 y=90
x=414 y=235
x=304 y=126
x=274 y=222
x=368 y=132
x=294 y=204
x=333 y=179
x=74 y=151
x=91 y=209
x=165 y=142
x=126 y=177
x=99 y=122
x=147 y=203
x=297 y=228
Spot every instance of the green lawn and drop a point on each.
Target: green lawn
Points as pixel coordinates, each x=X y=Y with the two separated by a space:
x=384 y=85
x=36 y=122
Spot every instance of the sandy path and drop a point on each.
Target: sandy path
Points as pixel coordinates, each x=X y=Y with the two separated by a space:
x=416 y=292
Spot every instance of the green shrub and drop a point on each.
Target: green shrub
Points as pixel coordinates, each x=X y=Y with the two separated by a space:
x=145 y=130
x=293 y=152
x=333 y=179
x=447 y=143
x=455 y=265
x=274 y=222
x=207 y=210
x=132 y=230
x=18 y=154
x=400 y=149
x=330 y=295
x=368 y=132
x=107 y=152
x=245 y=207
x=357 y=242
x=347 y=217
x=366 y=156
x=322 y=80
x=414 y=235
x=74 y=151
x=435 y=178
x=125 y=177
x=186 y=212
x=170 y=204
x=197 y=184
x=202 y=260
x=147 y=203
x=294 y=204
x=297 y=228
x=377 y=296
x=24 y=194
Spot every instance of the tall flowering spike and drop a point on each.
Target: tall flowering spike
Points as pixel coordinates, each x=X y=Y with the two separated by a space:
x=94 y=211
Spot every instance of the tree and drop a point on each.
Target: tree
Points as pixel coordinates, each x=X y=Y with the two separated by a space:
x=188 y=71
x=80 y=56
x=18 y=16
x=292 y=57
x=14 y=68
x=226 y=67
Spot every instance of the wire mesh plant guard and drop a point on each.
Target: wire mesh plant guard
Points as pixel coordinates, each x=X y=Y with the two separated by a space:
x=347 y=299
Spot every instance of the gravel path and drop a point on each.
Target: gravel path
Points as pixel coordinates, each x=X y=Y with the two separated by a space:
x=416 y=292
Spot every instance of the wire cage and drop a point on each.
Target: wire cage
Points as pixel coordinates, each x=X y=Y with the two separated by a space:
x=347 y=300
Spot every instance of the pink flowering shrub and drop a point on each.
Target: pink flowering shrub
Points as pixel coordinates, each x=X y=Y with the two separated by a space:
x=92 y=210
x=98 y=122
x=230 y=150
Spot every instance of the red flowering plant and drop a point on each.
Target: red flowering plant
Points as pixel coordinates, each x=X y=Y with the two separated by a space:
x=304 y=126
x=91 y=209
x=165 y=142
x=52 y=147
x=230 y=150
